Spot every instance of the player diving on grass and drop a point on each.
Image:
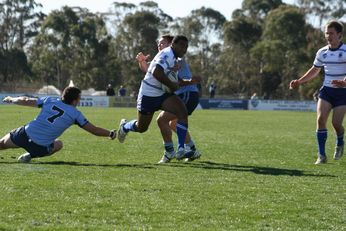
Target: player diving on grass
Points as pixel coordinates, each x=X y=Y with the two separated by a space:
x=188 y=94
x=39 y=137
x=152 y=97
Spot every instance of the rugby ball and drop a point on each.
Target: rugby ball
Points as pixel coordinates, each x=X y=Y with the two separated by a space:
x=172 y=76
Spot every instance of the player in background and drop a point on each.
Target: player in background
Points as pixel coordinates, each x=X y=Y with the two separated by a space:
x=332 y=96
x=189 y=95
x=152 y=97
x=39 y=137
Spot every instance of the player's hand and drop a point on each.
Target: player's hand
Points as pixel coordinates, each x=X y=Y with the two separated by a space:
x=140 y=57
x=196 y=79
x=339 y=83
x=113 y=134
x=294 y=84
x=8 y=99
x=174 y=87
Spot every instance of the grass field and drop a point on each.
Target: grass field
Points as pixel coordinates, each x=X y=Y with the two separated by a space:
x=256 y=173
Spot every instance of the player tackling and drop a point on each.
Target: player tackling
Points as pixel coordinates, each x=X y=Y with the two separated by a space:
x=39 y=137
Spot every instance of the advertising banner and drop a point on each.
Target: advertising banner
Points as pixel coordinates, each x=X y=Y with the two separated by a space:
x=282 y=105
x=237 y=104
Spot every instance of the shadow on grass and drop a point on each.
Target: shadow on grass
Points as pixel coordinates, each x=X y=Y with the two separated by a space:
x=149 y=166
x=73 y=163
x=244 y=168
x=197 y=164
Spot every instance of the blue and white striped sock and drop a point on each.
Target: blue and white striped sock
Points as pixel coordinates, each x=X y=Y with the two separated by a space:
x=130 y=126
x=169 y=147
x=191 y=144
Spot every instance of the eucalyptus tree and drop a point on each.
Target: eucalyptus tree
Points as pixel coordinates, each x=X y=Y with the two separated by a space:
x=241 y=34
x=258 y=9
x=243 y=31
x=120 y=10
x=73 y=44
x=282 y=49
x=323 y=10
x=153 y=7
x=242 y=75
x=204 y=28
x=19 y=22
x=137 y=31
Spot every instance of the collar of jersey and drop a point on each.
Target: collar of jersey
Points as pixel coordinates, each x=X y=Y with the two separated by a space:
x=335 y=49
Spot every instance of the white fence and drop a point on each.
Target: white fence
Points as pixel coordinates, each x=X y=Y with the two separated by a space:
x=86 y=101
x=272 y=105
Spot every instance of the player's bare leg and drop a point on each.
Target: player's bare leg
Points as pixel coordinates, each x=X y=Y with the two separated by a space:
x=6 y=142
x=337 y=120
x=176 y=106
x=166 y=132
x=141 y=124
x=323 y=111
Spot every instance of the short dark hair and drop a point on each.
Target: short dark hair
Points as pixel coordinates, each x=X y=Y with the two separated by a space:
x=336 y=25
x=178 y=38
x=69 y=94
x=168 y=37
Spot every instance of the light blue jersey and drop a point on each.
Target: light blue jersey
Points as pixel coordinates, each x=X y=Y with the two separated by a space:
x=185 y=73
x=55 y=117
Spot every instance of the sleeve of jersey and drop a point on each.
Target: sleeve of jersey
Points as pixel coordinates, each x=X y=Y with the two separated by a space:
x=42 y=100
x=81 y=121
x=318 y=60
x=162 y=61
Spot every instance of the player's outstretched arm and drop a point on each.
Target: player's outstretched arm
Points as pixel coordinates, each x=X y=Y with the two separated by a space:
x=98 y=131
x=21 y=100
x=310 y=74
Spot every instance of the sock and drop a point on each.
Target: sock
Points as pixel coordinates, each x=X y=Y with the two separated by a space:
x=340 y=140
x=321 y=135
x=130 y=126
x=169 y=147
x=192 y=146
x=181 y=133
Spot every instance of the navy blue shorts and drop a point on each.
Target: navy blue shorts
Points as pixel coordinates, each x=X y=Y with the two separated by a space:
x=21 y=139
x=335 y=96
x=190 y=99
x=147 y=105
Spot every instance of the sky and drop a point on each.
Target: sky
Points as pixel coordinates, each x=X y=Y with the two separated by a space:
x=174 y=8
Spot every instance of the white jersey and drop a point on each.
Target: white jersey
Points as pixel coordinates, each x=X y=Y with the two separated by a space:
x=334 y=63
x=150 y=86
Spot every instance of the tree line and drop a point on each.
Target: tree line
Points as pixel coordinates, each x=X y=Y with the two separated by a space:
x=264 y=45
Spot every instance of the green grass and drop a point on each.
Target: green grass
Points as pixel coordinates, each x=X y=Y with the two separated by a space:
x=256 y=173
